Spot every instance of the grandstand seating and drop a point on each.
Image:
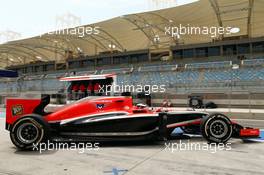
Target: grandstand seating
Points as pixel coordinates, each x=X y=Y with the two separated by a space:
x=216 y=75
x=80 y=73
x=202 y=74
x=165 y=67
x=220 y=64
x=253 y=62
x=116 y=71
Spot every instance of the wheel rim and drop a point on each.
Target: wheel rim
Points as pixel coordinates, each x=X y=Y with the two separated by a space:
x=218 y=129
x=27 y=133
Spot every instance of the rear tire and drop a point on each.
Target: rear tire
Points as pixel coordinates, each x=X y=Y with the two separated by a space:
x=216 y=128
x=27 y=132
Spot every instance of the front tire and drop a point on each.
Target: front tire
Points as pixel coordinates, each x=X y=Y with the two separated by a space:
x=28 y=132
x=216 y=128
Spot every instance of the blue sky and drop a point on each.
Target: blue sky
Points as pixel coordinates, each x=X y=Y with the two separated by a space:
x=33 y=17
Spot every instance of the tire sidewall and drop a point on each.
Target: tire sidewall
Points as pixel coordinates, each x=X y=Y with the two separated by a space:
x=205 y=128
x=38 y=123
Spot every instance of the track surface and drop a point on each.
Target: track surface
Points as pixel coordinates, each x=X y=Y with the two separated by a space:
x=136 y=159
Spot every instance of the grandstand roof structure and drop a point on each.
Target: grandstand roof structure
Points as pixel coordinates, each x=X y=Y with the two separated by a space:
x=141 y=31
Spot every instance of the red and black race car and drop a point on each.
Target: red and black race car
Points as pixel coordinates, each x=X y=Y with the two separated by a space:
x=108 y=119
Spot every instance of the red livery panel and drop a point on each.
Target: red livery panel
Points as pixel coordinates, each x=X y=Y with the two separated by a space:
x=15 y=108
x=249 y=132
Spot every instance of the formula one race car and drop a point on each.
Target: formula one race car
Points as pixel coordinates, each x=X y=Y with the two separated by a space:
x=110 y=119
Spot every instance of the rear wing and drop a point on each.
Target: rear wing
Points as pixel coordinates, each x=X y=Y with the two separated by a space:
x=21 y=106
x=17 y=107
x=88 y=77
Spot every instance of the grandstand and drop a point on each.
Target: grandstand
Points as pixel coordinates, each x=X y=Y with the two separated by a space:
x=128 y=46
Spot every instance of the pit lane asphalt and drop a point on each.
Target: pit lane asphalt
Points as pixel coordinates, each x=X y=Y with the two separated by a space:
x=134 y=159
